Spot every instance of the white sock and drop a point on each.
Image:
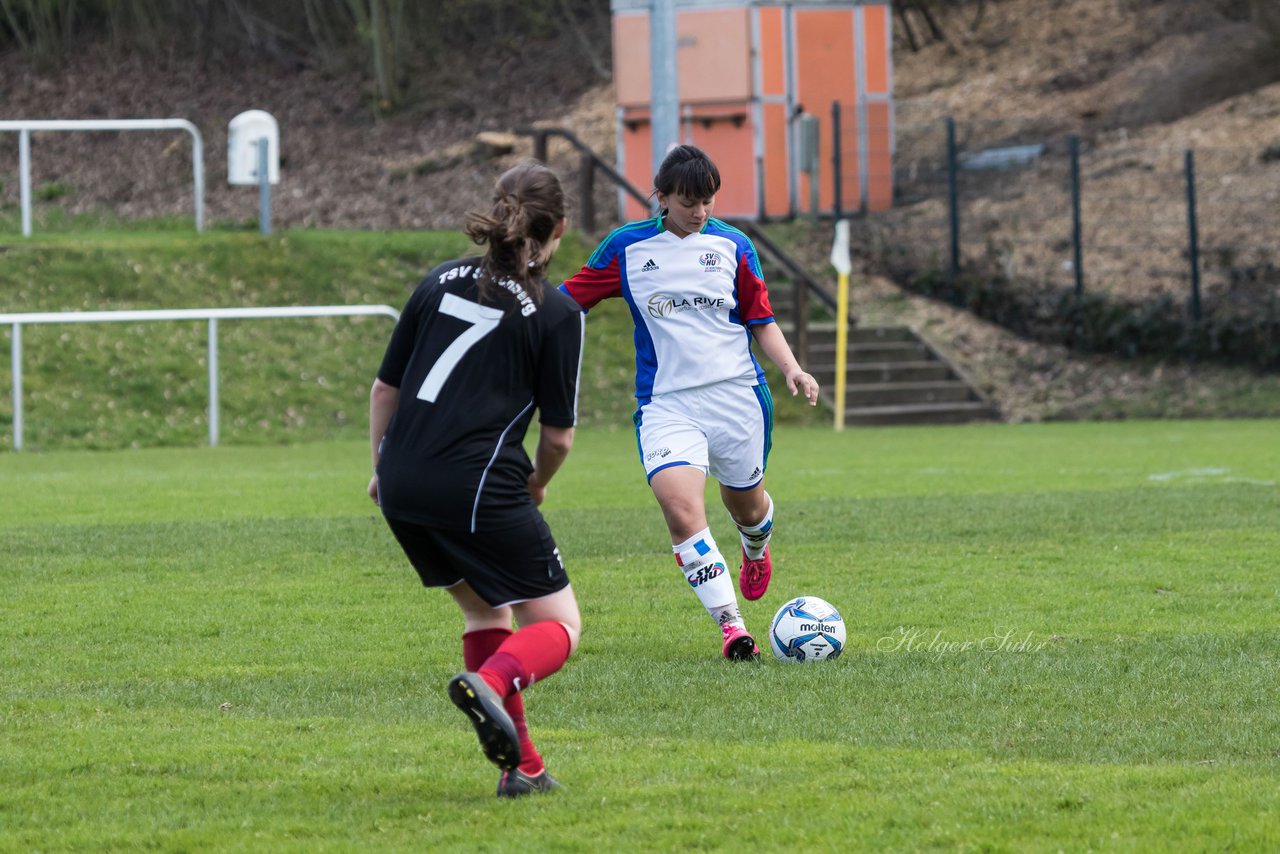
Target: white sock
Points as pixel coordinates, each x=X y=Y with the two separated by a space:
x=756 y=537
x=704 y=568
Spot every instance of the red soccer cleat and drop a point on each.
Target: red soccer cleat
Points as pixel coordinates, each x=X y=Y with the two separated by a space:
x=753 y=579
x=738 y=644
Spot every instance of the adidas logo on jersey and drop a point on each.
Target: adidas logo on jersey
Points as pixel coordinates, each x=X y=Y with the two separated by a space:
x=649 y=266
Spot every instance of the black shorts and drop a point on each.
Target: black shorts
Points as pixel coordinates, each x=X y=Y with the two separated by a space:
x=504 y=567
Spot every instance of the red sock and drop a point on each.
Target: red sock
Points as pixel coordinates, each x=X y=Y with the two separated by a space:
x=533 y=653
x=476 y=648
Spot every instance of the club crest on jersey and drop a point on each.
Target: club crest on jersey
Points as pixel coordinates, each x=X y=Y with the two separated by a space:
x=710 y=260
x=665 y=305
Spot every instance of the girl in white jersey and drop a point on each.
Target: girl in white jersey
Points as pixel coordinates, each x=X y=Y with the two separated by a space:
x=697 y=297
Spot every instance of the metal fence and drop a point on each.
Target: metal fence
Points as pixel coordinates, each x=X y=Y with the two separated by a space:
x=1042 y=207
x=209 y=315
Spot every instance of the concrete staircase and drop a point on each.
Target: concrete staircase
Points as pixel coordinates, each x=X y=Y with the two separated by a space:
x=894 y=376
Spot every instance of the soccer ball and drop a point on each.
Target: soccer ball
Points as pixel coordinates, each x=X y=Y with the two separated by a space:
x=807 y=629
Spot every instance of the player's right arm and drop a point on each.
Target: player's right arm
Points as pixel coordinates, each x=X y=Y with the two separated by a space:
x=554 y=444
x=599 y=279
x=383 y=401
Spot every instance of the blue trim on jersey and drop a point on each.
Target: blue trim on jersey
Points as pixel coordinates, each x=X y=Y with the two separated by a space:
x=614 y=247
x=646 y=352
x=743 y=488
x=751 y=354
x=745 y=246
x=622 y=237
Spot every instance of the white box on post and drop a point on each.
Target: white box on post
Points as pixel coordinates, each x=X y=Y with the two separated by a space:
x=253 y=157
x=244 y=135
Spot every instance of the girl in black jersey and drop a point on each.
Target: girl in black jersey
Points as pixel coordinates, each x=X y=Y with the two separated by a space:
x=482 y=344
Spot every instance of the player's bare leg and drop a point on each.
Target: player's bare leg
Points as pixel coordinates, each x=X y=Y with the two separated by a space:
x=752 y=512
x=500 y=663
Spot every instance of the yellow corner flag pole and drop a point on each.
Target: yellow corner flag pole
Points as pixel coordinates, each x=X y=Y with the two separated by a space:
x=840 y=260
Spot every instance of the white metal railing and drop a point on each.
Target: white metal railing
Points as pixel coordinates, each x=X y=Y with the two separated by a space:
x=212 y=315
x=24 y=127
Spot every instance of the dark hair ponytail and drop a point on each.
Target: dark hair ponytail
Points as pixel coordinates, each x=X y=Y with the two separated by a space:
x=687 y=171
x=528 y=204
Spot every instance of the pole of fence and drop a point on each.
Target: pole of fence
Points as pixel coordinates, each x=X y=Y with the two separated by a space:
x=24 y=178
x=213 y=382
x=264 y=187
x=836 y=165
x=1077 y=253
x=197 y=173
x=953 y=197
x=16 y=361
x=1193 y=244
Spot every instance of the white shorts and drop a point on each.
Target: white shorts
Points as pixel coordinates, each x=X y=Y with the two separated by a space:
x=724 y=429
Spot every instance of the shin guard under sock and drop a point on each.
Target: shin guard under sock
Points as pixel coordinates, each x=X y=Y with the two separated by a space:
x=755 y=538
x=704 y=568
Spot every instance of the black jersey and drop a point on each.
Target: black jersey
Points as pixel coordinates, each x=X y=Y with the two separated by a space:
x=470 y=377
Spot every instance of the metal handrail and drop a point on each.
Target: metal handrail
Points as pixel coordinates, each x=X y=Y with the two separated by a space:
x=24 y=127
x=212 y=315
x=542 y=134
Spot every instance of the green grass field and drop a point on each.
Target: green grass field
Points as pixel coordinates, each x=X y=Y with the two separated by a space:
x=1061 y=637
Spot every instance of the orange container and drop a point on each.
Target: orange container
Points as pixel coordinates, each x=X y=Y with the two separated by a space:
x=746 y=71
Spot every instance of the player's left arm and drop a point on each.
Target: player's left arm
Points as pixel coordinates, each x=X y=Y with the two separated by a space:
x=756 y=313
x=775 y=346
x=556 y=394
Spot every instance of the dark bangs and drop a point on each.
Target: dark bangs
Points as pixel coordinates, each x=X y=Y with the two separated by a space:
x=687 y=172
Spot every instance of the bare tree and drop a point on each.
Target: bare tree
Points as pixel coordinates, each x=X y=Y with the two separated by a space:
x=380 y=25
x=1266 y=14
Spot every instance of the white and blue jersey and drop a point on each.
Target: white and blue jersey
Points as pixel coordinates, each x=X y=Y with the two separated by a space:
x=692 y=300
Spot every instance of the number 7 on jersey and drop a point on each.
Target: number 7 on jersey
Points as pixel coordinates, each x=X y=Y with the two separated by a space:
x=483 y=320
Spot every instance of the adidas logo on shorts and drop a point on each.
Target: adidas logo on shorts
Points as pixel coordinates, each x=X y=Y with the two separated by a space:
x=649 y=266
